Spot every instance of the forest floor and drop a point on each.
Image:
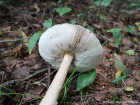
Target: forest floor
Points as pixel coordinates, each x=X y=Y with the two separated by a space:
x=24 y=77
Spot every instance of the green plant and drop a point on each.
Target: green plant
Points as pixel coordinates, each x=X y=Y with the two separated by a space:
x=73 y=21
x=102 y=17
x=116 y=34
x=123 y=70
x=33 y=40
x=48 y=23
x=62 y=10
x=1 y=2
x=84 y=79
x=131 y=29
x=103 y=3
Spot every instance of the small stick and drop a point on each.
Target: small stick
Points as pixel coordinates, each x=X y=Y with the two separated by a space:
x=49 y=71
x=21 y=80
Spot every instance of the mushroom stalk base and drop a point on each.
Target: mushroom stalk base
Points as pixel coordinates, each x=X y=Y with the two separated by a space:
x=52 y=94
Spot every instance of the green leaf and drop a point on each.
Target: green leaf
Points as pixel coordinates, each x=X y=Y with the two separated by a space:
x=0 y=91
x=48 y=23
x=138 y=9
x=139 y=72
x=80 y=14
x=130 y=52
x=121 y=66
x=73 y=21
x=53 y=3
x=85 y=79
x=62 y=10
x=131 y=29
x=33 y=41
x=129 y=12
x=104 y=3
x=138 y=33
x=115 y=55
x=90 y=29
x=118 y=79
x=1 y=2
x=99 y=37
x=117 y=37
x=59 y=1
x=102 y=17
x=114 y=30
x=91 y=7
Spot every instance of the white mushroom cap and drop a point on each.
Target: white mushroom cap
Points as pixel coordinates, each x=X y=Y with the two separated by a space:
x=63 y=38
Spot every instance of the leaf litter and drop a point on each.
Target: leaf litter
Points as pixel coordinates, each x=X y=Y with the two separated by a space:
x=16 y=63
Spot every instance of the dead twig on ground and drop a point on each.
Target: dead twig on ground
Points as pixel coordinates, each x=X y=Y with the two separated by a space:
x=14 y=40
x=49 y=71
x=21 y=80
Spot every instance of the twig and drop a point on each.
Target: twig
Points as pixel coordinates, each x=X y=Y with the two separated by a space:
x=116 y=45
x=14 y=40
x=49 y=75
x=49 y=71
x=21 y=80
x=103 y=37
x=15 y=10
x=97 y=8
x=50 y=13
x=11 y=47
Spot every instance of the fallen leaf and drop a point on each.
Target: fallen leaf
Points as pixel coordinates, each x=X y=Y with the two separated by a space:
x=127 y=59
x=17 y=50
x=7 y=28
x=136 y=74
x=128 y=88
x=98 y=25
x=118 y=73
x=36 y=25
x=26 y=38
x=129 y=82
x=36 y=7
x=126 y=42
x=99 y=97
x=37 y=89
x=22 y=72
x=105 y=62
x=130 y=52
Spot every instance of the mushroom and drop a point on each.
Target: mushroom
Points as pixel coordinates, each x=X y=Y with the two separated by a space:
x=65 y=46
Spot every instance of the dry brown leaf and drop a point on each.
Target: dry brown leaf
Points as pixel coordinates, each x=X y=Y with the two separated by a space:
x=36 y=25
x=98 y=25
x=129 y=82
x=99 y=97
x=105 y=62
x=136 y=74
x=7 y=28
x=22 y=72
x=37 y=89
x=127 y=59
x=127 y=43
x=17 y=50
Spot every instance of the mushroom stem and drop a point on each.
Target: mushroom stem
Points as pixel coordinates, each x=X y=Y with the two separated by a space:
x=52 y=94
